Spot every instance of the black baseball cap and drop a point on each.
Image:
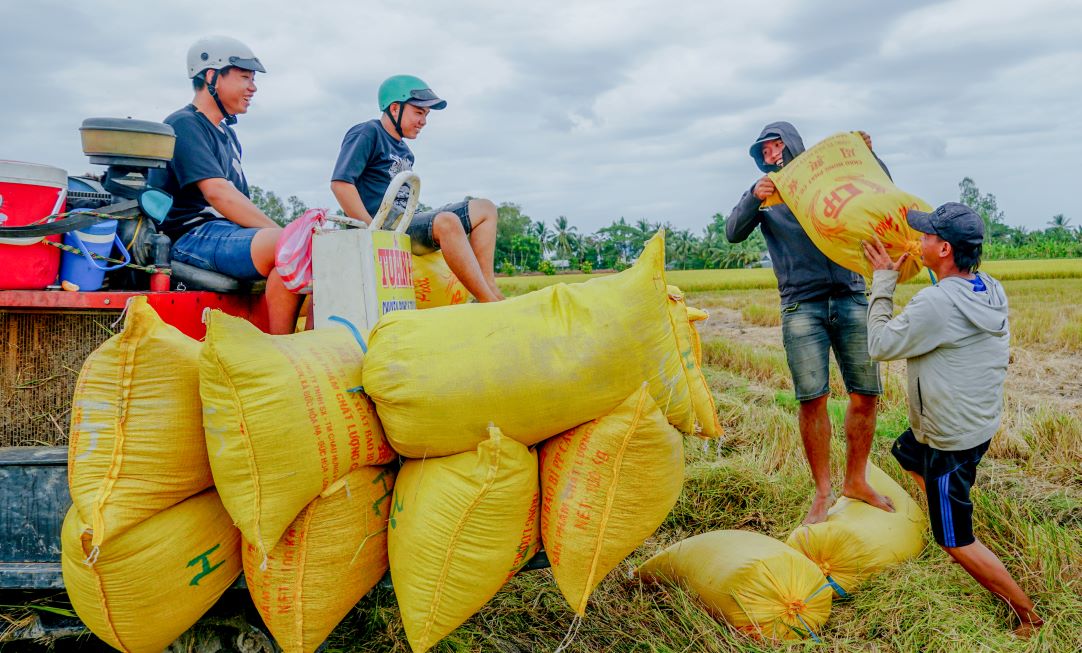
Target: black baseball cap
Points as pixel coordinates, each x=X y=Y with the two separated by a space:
x=953 y=222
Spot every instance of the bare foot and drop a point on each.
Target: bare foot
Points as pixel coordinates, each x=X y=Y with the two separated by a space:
x=490 y=296
x=820 y=505
x=868 y=495
x=1028 y=628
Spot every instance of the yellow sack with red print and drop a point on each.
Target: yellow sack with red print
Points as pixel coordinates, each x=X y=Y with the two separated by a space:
x=330 y=556
x=458 y=528
x=605 y=487
x=155 y=580
x=759 y=585
x=536 y=365
x=284 y=419
x=434 y=284
x=137 y=443
x=858 y=540
x=842 y=197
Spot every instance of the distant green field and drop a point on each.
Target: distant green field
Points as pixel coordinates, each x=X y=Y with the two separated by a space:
x=698 y=280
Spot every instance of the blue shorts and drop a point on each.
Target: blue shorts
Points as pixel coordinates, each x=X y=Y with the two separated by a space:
x=948 y=477
x=811 y=329
x=219 y=246
x=420 y=230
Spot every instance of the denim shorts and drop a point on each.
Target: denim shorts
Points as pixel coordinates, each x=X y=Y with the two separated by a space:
x=420 y=230
x=811 y=329
x=219 y=246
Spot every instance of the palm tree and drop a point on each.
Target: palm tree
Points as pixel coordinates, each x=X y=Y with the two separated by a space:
x=543 y=234
x=682 y=247
x=565 y=240
x=1059 y=221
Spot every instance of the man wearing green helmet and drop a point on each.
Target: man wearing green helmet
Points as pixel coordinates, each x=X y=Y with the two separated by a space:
x=373 y=152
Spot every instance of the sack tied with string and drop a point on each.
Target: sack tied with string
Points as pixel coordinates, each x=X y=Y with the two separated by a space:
x=327 y=560
x=155 y=580
x=461 y=525
x=756 y=583
x=858 y=540
x=605 y=487
x=136 y=444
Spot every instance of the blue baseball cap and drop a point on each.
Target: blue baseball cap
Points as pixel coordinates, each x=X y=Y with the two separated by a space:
x=953 y=222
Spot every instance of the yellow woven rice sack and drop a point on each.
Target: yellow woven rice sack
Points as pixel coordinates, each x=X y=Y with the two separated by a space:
x=757 y=584
x=434 y=284
x=691 y=353
x=456 y=533
x=156 y=579
x=329 y=558
x=858 y=540
x=284 y=419
x=606 y=486
x=136 y=444
x=537 y=364
x=841 y=196
x=529 y=538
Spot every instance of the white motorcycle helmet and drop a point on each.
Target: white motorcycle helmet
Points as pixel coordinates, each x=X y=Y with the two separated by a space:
x=215 y=53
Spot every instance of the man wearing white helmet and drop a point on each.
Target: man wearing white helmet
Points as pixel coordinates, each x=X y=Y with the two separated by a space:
x=373 y=152
x=213 y=223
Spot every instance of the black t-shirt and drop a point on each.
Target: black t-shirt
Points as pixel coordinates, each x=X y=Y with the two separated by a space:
x=202 y=151
x=369 y=159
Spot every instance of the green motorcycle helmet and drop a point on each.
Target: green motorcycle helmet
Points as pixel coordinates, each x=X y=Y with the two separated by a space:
x=407 y=88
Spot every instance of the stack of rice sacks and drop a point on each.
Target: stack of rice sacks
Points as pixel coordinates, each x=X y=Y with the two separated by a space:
x=552 y=418
x=301 y=463
x=147 y=546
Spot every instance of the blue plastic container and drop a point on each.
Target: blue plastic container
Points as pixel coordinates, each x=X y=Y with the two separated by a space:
x=82 y=270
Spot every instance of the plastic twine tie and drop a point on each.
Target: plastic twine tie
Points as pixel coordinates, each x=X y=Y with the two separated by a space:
x=810 y=631
x=123 y=313
x=93 y=557
x=837 y=588
x=352 y=329
x=830 y=583
x=572 y=633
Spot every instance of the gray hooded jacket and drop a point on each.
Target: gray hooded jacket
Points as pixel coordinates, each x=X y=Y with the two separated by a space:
x=804 y=273
x=956 y=344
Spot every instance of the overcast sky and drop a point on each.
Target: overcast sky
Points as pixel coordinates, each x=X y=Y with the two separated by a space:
x=589 y=109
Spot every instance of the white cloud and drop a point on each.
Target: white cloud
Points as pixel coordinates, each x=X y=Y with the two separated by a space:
x=593 y=109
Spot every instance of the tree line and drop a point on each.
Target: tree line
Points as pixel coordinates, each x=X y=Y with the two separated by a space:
x=527 y=245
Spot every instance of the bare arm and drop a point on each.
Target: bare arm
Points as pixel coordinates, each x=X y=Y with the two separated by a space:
x=350 y=200
x=232 y=204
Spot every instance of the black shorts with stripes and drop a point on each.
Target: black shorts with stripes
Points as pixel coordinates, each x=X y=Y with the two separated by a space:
x=948 y=477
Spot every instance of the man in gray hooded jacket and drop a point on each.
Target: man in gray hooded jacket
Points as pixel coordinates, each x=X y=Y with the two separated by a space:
x=822 y=308
x=954 y=338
